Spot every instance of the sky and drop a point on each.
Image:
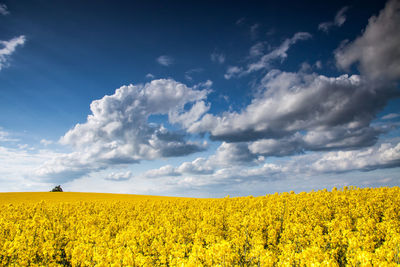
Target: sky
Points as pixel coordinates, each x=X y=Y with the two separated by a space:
x=199 y=98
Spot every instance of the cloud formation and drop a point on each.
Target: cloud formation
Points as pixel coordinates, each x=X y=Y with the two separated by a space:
x=150 y=76
x=295 y=112
x=25 y=161
x=386 y=155
x=217 y=57
x=119 y=176
x=302 y=112
x=118 y=132
x=264 y=63
x=391 y=116
x=226 y=156
x=165 y=60
x=203 y=171
x=291 y=113
x=6 y=137
x=277 y=53
x=257 y=50
x=338 y=21
x=7 y=48
x=377 y=51
x=4 y=10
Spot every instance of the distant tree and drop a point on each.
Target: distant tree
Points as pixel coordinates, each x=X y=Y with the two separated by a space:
x=57 y=189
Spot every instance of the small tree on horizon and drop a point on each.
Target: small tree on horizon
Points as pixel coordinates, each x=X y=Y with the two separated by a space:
x=57 y=189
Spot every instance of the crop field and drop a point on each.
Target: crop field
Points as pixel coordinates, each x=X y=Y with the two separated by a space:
x=345 y=227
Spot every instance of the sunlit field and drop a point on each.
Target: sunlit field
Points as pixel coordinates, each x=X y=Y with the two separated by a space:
x=345 y=227
x=32 y=197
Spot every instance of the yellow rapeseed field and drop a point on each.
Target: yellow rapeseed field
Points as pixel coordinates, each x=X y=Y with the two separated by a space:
x=346 y=227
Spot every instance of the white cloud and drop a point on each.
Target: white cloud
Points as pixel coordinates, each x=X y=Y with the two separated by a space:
x=150 y=76
x=198 y=166
x=338 y=21
x=296 y=112
x=217 y=57
x=204 y=172
x=385 y=155
x=257 y=50
x=335 y=138
x=187 y=118
x=46 y=142
x=165 y=60
x=6 y=137
x=226 y=156
x=229 y=154
x=167 y=170
x=277 y=53
x=329 y=112
x=207 y=84
x=118 y=132
x=8 y=48
x=318 y=64
x=4 y=10
x=264 y=63
x=391 y=116
x=24 y=146
x=119 y=176
x=17 y=166
x=232 y=71
x=66 y=167
x=377 y=50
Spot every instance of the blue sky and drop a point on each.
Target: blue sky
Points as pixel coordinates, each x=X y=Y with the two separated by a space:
x=199 y=98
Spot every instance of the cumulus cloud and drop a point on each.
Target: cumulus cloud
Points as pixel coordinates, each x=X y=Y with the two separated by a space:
x=188 y=118
x=385 y=155
x=167 y=170
x=295 y=112
x=217 y=57
x=118 y=132
x=307 y=111
x=339 y=137
x=199 y=166
x=377 y=50
x=338 y=21
x=207 y=172
x=165 y=60
x=264 y=63
x=233 y=153
x=119 y=176
x=7 y=48
x=292 y=113
x=4 y=10
x=226 y=156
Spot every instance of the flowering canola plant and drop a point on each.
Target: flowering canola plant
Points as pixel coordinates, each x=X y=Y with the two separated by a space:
x=346 y=227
